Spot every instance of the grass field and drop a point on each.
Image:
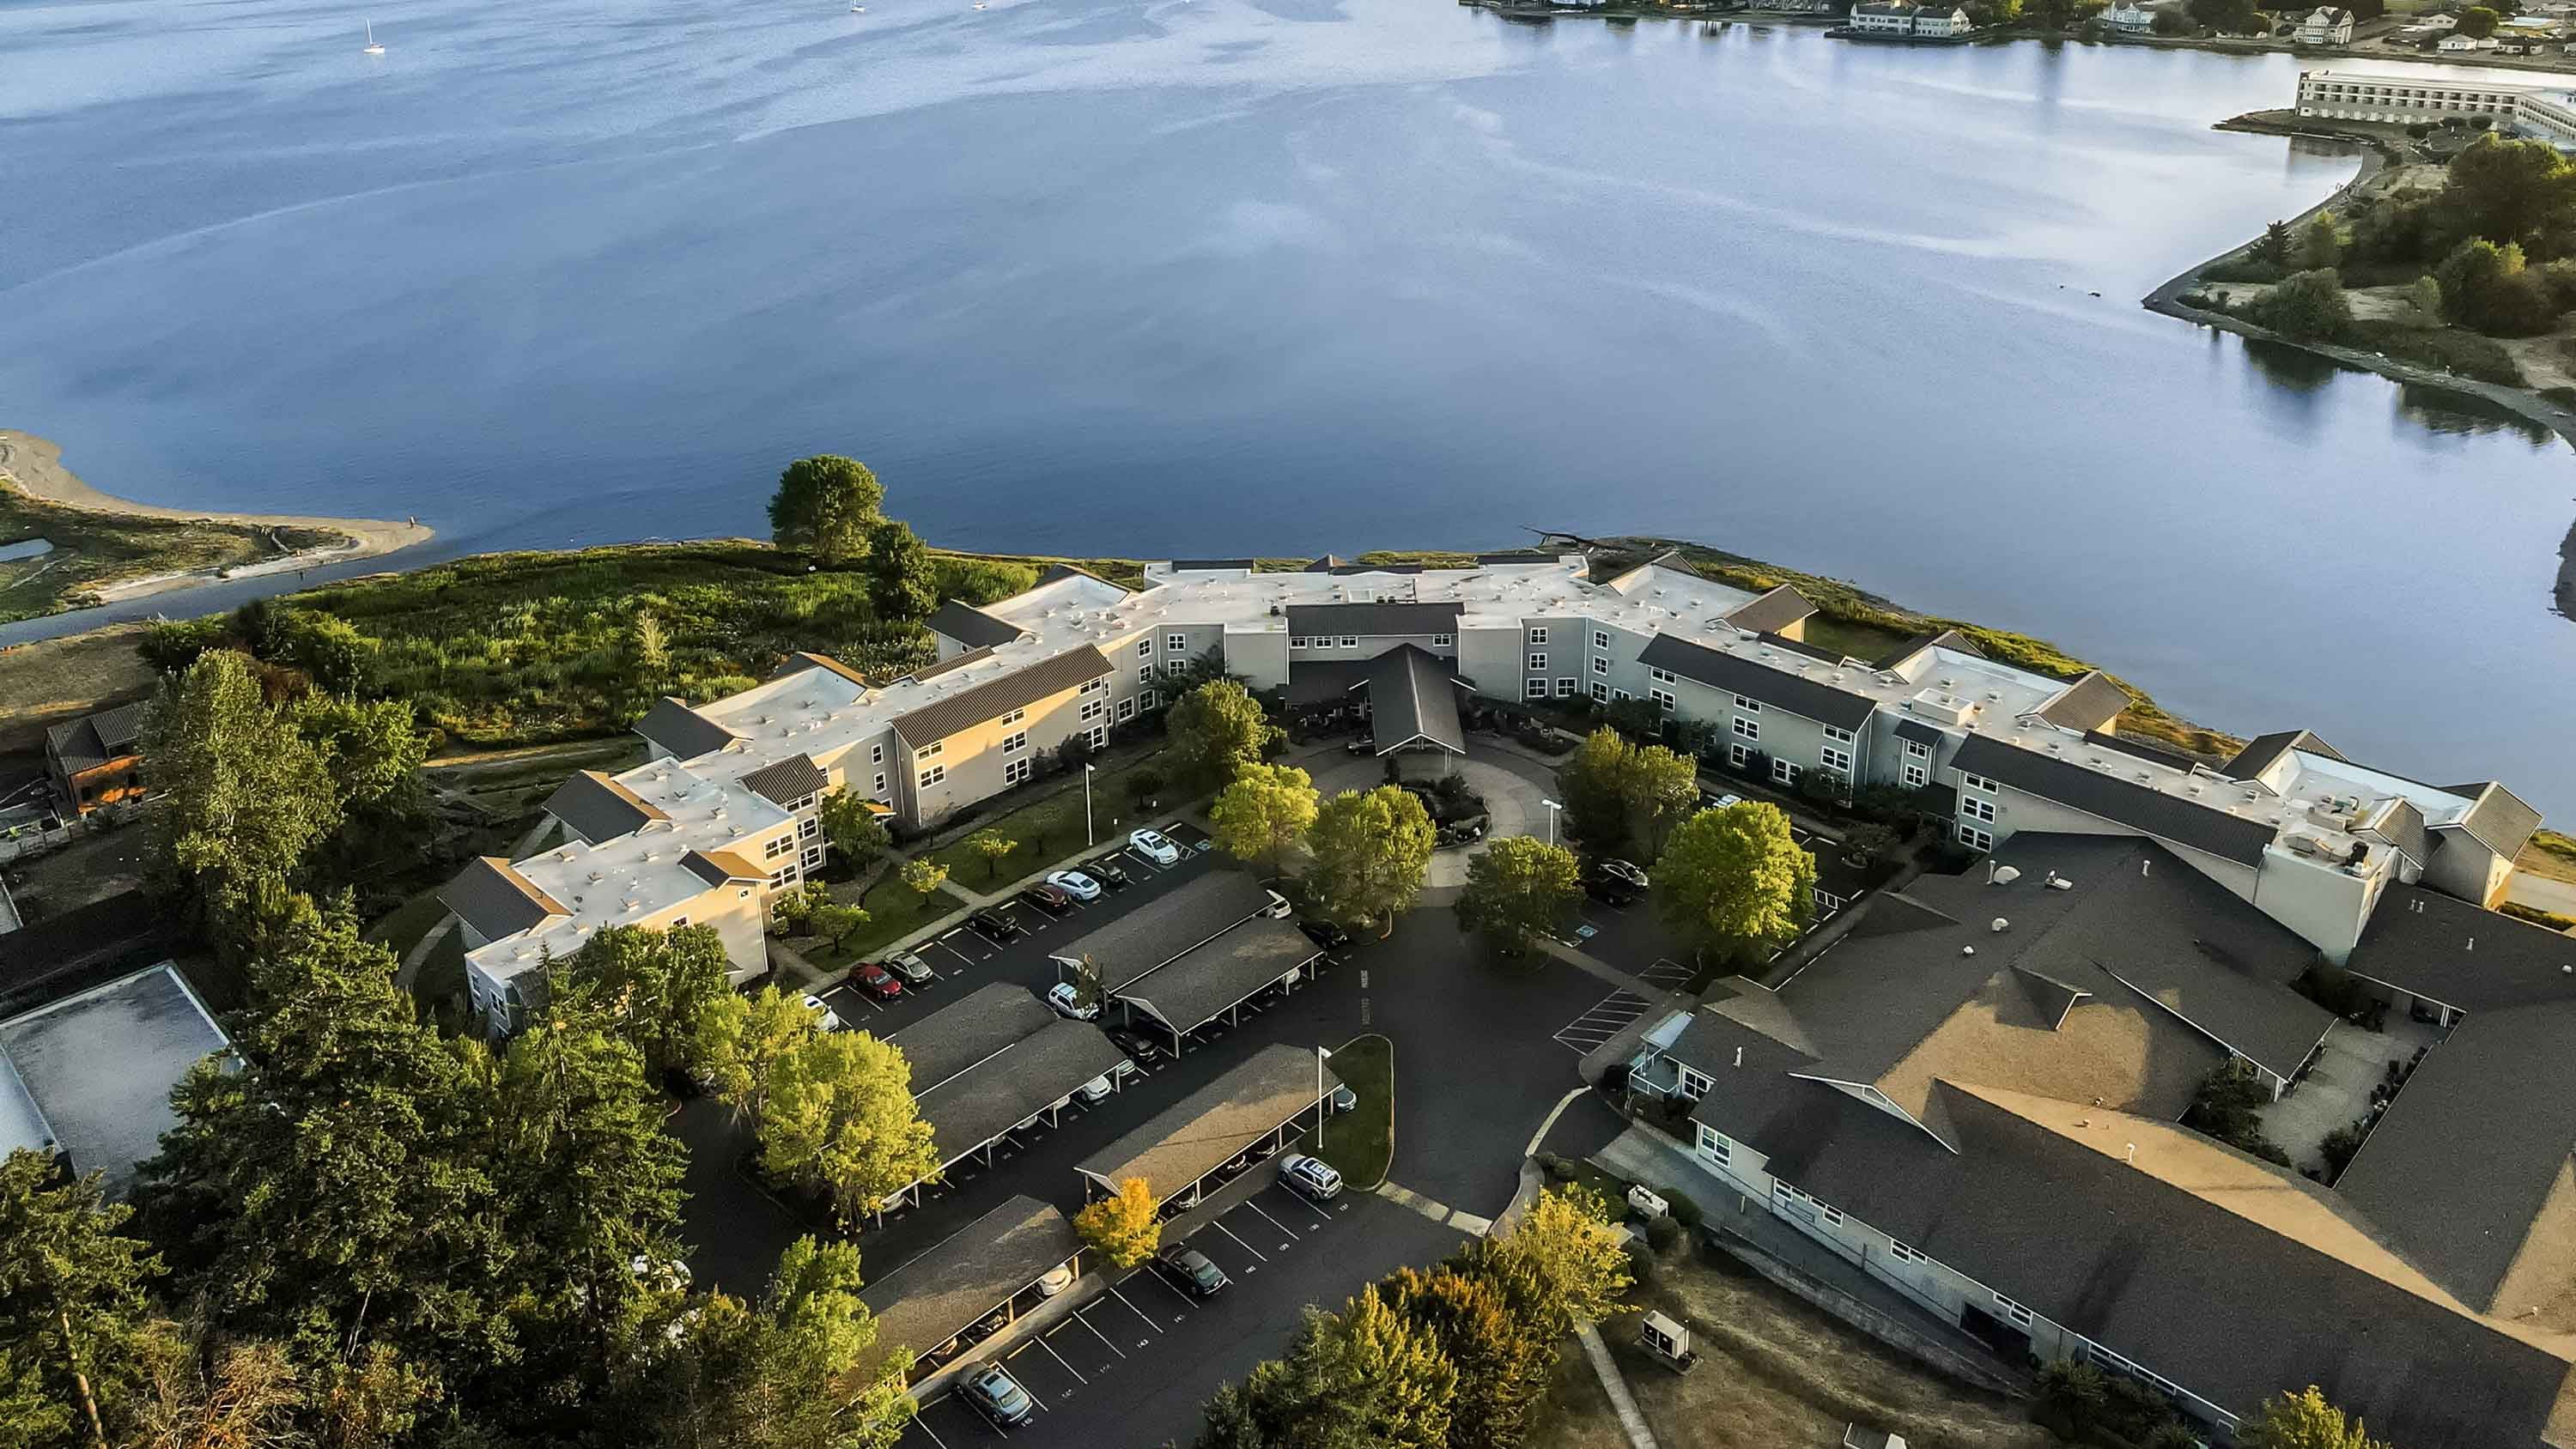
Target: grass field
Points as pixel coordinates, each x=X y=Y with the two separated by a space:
x=1361 y=1142
x=91 y=549
x=2550 y=854
x=1048 y=830
x=894 y=910
x=58 y=679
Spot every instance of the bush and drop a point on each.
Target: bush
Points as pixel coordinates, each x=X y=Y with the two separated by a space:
x=1554 y=1168
x=2241 y=269
x=2341 y=1145
x=1662 y=1234
x=1685 y=1211
x=2487 y=288
x=2307 y=305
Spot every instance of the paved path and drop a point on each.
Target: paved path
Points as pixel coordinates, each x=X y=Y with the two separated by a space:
x=2542 y=893
x=409 y=971
x=1616 y=1387
x=1437 y=1211
x=791 y=963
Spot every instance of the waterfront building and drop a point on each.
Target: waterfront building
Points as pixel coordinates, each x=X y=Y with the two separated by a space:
x=2404 y=99
x=2326 y=25
x=1910 y=18
x=2130 y=18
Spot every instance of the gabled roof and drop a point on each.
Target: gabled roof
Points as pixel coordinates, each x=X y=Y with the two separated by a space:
x=717 y=867
x=2498 y=819
x=2262 y=750
x=1164 y=928
x=970 y=626
x=1196 y=988
x=787 y=781
x=493 y=898
x=992 y=699
x=598 y=808
x=964 y=1277
x=1413 y=695
x=2447 y=950
x=1194 y=1136
x=801 y=661
x=2167 y=817
x=954 y=1038
x=1776 y=688
x=683 y=731
x=94 y=740
x=1917 y=731
x=2090 y=703
x=1772 y=612
x=2402 y=827
x=1374 y=620
x=975 y=1106
x=1937 y=639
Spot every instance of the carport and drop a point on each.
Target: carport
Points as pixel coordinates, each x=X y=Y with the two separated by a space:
x=971 y=1112
x=990 y=1266
x=954 y=1038
x=1259 y=1106
x=1164 y=930
x=1214 y=979
x=1413 y=704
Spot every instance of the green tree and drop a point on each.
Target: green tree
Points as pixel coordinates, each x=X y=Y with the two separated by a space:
x=825 y=506
x=2304 y=1420
x=2477 y=22
x=2321 y=243
x=923 y=876
x=1370 y=854
x=2509 y=191
x=1086 y=982
x=1566 y=1248
x=1735 y=880
x=2276 y=244
x=835 y=923
x=1216 y=730
x=2424 y=294
x=73 y=1305
x=856 y=832
x=1503 y=1368
x=903 y=579
x=1519 y=890
x=243 y=797
x=2488 y=288
x=792 y=911
x=662 y=991
x=370 y=749
x=2228 y=1107
x=1365 y=1378
x=2075 y=1392
x=2304 y=305
x=1265 y=813
x=772 y=1027
x=1617 y=793
x=1124 y=1227
x=994 y=846
x=840 y=1116
x=775 y=1374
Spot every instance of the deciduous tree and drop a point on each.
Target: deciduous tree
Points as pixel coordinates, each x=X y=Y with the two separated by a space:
x=1503 y=1368
x=2488 y=288
x=903 y=579
x=2304 y=1420
x=660 y=990
x=1216 y=730
x=1123 y=1227
x=1519 y=890
x=2321 y=243
x=2304 y=305
x=824 y=507
x=2477 y=22
x=2509 y=191
x=773 y=1026
x=775 y=1373
x=835 y=923
x=1370 y=852
x=1735 y=880
x=1364 y=1378
x=1617 y=793
x=994 y=846
x=856 y=831
x=923 y=876
x=840 y=1116
x=1265 y=813
x=1570 y=1248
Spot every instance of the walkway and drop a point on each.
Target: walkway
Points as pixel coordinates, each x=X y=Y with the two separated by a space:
x=1616 y=1387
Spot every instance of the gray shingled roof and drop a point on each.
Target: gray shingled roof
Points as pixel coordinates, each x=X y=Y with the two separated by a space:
x=966 y=1031
x=1201 y=985
x=2403 y=826
x=2089 y=704
x=1373 y=620
x=95 y=739
x=2498 y=820
x=1164 y=928
x=1322 y=681
x=1919 y=732
x=787 y=781
x=717 y=867
x=967 y=708
x=2436 y=946
x=965 y=1276
x=599 y=808
x=2168 y=817
x=1413 y=695
x=2262 y=750
x=681 y=730
x=1772 y=612
x=496 y=900
x=970 y=626
x=979 y=1104
x=1194 y=1136
x=1776 y=688
x=2142 y=749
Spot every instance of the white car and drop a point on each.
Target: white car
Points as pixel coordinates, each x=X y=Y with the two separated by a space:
x=1075 y=884
x=1055 y=1280
x=1064 y=996
x=1151 y=845
x=1310 y=1177
x=1095 y=1091
x=825 y=1019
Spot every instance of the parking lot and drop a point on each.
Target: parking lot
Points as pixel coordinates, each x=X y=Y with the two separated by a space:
x=1134 y=1365
x=1601 y=1021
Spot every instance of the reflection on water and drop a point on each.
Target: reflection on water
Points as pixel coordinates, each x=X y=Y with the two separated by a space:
x=2294 y=368
x=2566 y=592
x=2463 y=414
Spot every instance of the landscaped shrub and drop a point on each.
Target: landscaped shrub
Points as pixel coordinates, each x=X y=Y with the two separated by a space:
x=1662 y=1233
x=1685 y=1211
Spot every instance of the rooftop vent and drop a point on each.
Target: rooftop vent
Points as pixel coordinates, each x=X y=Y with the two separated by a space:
x=2000 y=926
x=2001 y=874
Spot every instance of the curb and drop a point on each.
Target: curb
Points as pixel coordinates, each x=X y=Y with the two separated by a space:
x=1390 y=1107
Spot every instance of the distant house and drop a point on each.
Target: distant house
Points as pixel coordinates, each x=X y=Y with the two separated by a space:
x=98 y=759
x=1905 y=17
x=2442 y=23
x=2130 y=18
x=2326 y=25
x=1940 y=22
x=2461 y=43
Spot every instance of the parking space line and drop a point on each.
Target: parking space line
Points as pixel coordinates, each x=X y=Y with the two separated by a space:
x=1267 y=1218
x=1104 y=1338
x=1059 y=1358
x=1157 y=1275
x=1132 y=1308
x=1238 y=1242
x=923 y=1425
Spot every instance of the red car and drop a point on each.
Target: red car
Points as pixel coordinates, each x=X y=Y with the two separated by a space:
x=876 y=981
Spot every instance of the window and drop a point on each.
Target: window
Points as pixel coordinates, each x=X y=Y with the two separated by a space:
x=1917 y=750
x=1538 y=635
x=1904 y=1254
x=1091 y=708
x=1565 y=686
x=1016 y=771
x=1099 y=736
x=1661 y=676
x=1662 y=697
x=1014 y=717
x=1713 y=1147
x=1976 y=809
x=808 y=829
x=1535 y=689
x=1013 y=744
x=1621 y=694
x=1748 y=705
x=1600 y=691
x=876 y=753
x=1144 y=675
x=2013 y=1311
x=1747 y=729
x=676 y=923
x=780 y=878
x=1350 y=641
x=1126 y=709
x=1600 y=665
x=813 y=857
x=1833 y=1217
x=1978 y=782
x=1600 y=639
x=1150 y=699
x=805 y=804
x=1738 y=755
x=773 y=849
x=1838 y=736
x=1443 y=641
x=1094 y=686
x=1975 y=839
x=1145 y=648
x=1784 y=771
x=1538 y=664
x=1916 y=778
x=930 y=751
x=1176 y=643
x=1296 y=641
x=1694 y=1083
x=933 y=776
x=1837 y=760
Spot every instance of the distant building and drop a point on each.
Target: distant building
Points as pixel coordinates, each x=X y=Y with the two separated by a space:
x=98 y=759
x=2130 y=17
x=2326 y=25
x=1907 y=18
x=2461 y=44
x=88 y=1077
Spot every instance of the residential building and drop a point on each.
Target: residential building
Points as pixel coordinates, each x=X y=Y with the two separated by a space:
x=98 y=759
x=2326 y=25
x=2462 y=45
x=2543 y=112
x=1930 y=21
x=2130 y=18
x=1974 y=1098
x=88 y=1077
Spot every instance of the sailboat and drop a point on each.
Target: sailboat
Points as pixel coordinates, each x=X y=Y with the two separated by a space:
x=373 y=48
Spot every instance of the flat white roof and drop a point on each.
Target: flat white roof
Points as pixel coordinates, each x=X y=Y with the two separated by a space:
x=99 y=1068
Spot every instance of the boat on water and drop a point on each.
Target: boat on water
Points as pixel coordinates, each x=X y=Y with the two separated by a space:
x=374 y=46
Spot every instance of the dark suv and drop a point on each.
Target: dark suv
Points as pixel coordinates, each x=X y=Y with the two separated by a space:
x=1203 y=1278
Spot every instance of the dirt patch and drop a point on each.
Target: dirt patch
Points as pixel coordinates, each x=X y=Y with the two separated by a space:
x=58 y=679
x=89 y=869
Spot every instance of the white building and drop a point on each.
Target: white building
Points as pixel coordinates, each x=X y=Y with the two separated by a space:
x=2130 y=18
x=2326 y=25
x=1910 y=18
x=2404 y=99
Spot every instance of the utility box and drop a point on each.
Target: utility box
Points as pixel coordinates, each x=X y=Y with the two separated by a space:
x=1856 y=1436
x=1668 y=1341
x=1648 y=1204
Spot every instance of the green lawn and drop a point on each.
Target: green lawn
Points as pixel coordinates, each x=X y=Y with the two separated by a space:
x=894 y=910
x=1051 y=829
x=409 y=921
x=1361 y=1142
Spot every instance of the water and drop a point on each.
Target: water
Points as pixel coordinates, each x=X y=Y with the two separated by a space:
x=1148 y=277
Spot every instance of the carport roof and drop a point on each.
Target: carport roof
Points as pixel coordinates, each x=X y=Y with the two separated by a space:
x=1165 y=929
x=954 y=1038
x=1194 y=989
x=1194 y=1136
x=986 y=1100
x=964 y=1276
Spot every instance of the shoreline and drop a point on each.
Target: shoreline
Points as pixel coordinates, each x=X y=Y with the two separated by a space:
x=34 y=466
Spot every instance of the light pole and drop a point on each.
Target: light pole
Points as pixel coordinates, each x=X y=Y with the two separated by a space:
x=1552 y=809
x=1321 y=1056
x=1088 y=840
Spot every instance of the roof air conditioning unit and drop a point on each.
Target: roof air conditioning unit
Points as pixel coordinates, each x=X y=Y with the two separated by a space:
x=595 y=878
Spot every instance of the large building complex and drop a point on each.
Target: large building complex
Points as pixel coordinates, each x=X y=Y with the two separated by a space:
x=2544 y=112
x=724 y=812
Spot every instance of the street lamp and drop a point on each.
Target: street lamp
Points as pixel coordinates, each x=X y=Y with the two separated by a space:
x=1088 y=839
x=1321 y=1056
x=1552 y=809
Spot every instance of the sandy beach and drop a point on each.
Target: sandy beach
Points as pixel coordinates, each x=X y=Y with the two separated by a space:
x=35 y=466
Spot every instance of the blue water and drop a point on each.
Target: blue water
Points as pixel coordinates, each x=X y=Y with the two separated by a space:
x=1216 y=276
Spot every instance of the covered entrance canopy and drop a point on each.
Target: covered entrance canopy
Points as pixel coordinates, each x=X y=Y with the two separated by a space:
x=1413 y=702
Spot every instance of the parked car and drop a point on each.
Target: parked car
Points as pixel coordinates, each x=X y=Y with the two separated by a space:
x=1055 y=1280
x=1054 y=900
x=998 y=1396
x=1133 y=1043
x=1075 y=884
x=914 y=971
x=1203 y=1279
x=1627 y=870
x=1708 y=801
x=1325 y=934
x=1108 y=872
x=1345 y=1100
x=1152 y=845
x=1310 y=1177
x=1610 y=890
x=1066 y=997
x=1095 y=1091
x=825 y=1018
x=876 y=981
x=994 y=925
x=1364 y=745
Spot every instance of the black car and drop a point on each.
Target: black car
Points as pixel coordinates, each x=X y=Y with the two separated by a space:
x=1133 y=1043
x=1610 y=890
x=1325 y=934
x=994 y=925
x=1108 y=872
x=1055 y=900
x=1192 y=1268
